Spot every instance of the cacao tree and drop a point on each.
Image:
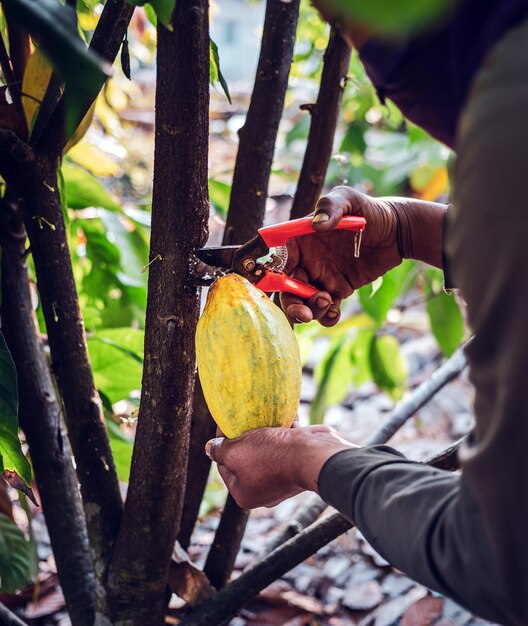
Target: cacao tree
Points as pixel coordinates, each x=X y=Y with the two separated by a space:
x=67 y=268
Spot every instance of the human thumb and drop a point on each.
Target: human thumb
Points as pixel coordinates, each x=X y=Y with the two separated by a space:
x=327 y=214
x=214 y=450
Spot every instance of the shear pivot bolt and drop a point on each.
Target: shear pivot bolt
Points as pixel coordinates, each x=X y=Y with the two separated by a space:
x=248 y=265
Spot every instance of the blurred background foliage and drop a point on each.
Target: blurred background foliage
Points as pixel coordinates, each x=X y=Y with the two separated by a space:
x=106 y=178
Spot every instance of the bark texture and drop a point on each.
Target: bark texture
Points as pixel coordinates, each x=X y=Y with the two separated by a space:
x=84 y=417
x=249 y=192
x=325 y=114
x=40 y=418
x=180 y=211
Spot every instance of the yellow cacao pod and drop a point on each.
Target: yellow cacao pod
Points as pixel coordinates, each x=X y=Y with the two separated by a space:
x=248 y=358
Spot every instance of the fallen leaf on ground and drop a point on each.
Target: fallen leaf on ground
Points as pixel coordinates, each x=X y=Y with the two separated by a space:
x=423 y=612
x=186 y=580
x=363 y=597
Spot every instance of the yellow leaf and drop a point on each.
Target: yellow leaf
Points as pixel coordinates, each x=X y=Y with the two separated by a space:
x=87 y=21
x=81 y=129
x=34 y=84
x=93 y=159
x=437 y=185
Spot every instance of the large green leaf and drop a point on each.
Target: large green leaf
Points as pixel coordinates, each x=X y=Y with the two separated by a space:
x=388 y=366
x=377 y=298
x=163 y=10
x=215 y=73
x=334 y=375
x=116 y=355
x=54 y=26
x=447 y=323
x=16 y=562
x=83 y=190
x=394 y=17
x=11 y=456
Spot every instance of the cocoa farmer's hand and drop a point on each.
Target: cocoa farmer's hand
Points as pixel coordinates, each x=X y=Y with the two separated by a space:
x=267 y=465
x=326 y=259
x=396 y=228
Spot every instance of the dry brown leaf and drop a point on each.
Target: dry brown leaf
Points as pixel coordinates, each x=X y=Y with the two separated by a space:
x=186 y=580
x=423 y=612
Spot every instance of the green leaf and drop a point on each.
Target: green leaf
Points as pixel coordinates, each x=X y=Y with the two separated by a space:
x=389 y=368
x=116 y=355
x=163 y=10
x=354 y=140
x=82 y=190
x=299 y=131
x=122 y=447
x=215 y=73
x=219 y=194
x=11 y=456
x=54 y=26
x=360 y=357
x=377 y=298
x=445 y=317
x=334 y=375
x=394 y=17
x=15 y=557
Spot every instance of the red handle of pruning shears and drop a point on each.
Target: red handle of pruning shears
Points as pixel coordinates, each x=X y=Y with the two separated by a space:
x=278 y=234
x=281 y=282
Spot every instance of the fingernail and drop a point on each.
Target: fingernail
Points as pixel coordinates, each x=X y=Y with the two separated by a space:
x=332 y=313
x=322 y=303
x=297 y=320
x=211 y=444
x=320 y=218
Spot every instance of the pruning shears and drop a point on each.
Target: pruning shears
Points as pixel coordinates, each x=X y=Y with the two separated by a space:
x=261 y=260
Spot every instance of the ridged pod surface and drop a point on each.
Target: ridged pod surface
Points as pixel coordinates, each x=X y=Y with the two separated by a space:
x=248 y=358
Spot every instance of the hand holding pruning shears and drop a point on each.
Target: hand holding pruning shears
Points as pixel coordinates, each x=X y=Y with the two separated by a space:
x=325 y=258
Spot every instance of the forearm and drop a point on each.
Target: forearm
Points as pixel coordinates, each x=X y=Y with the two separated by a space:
x=422 y=520
x=420 y=229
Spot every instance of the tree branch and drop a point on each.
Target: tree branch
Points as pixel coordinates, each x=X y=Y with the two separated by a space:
x=7 y=618
x=247 y=208
x=40 y=420
x=325 y=115
x=11 y=81
x=106 y=41
x=313 y=505
x=257 y=137
x=44 y=223
x=224 y=550
x=180 y=211
x=231 y=598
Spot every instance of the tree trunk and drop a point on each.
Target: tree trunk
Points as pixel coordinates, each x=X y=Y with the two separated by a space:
x=257 y=137
x=325 y=113
x=180 y=212
x=40 y=419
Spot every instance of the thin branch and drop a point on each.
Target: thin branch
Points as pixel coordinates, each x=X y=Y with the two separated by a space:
x=313 y=506
x=232 y=597
x=11 y=81
x=258 y=135
x=106 y=41
x=180 y=212
x=7 y=618
x=324 y=117
x=247 y=208
x=40 y=419
x=224 y=550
